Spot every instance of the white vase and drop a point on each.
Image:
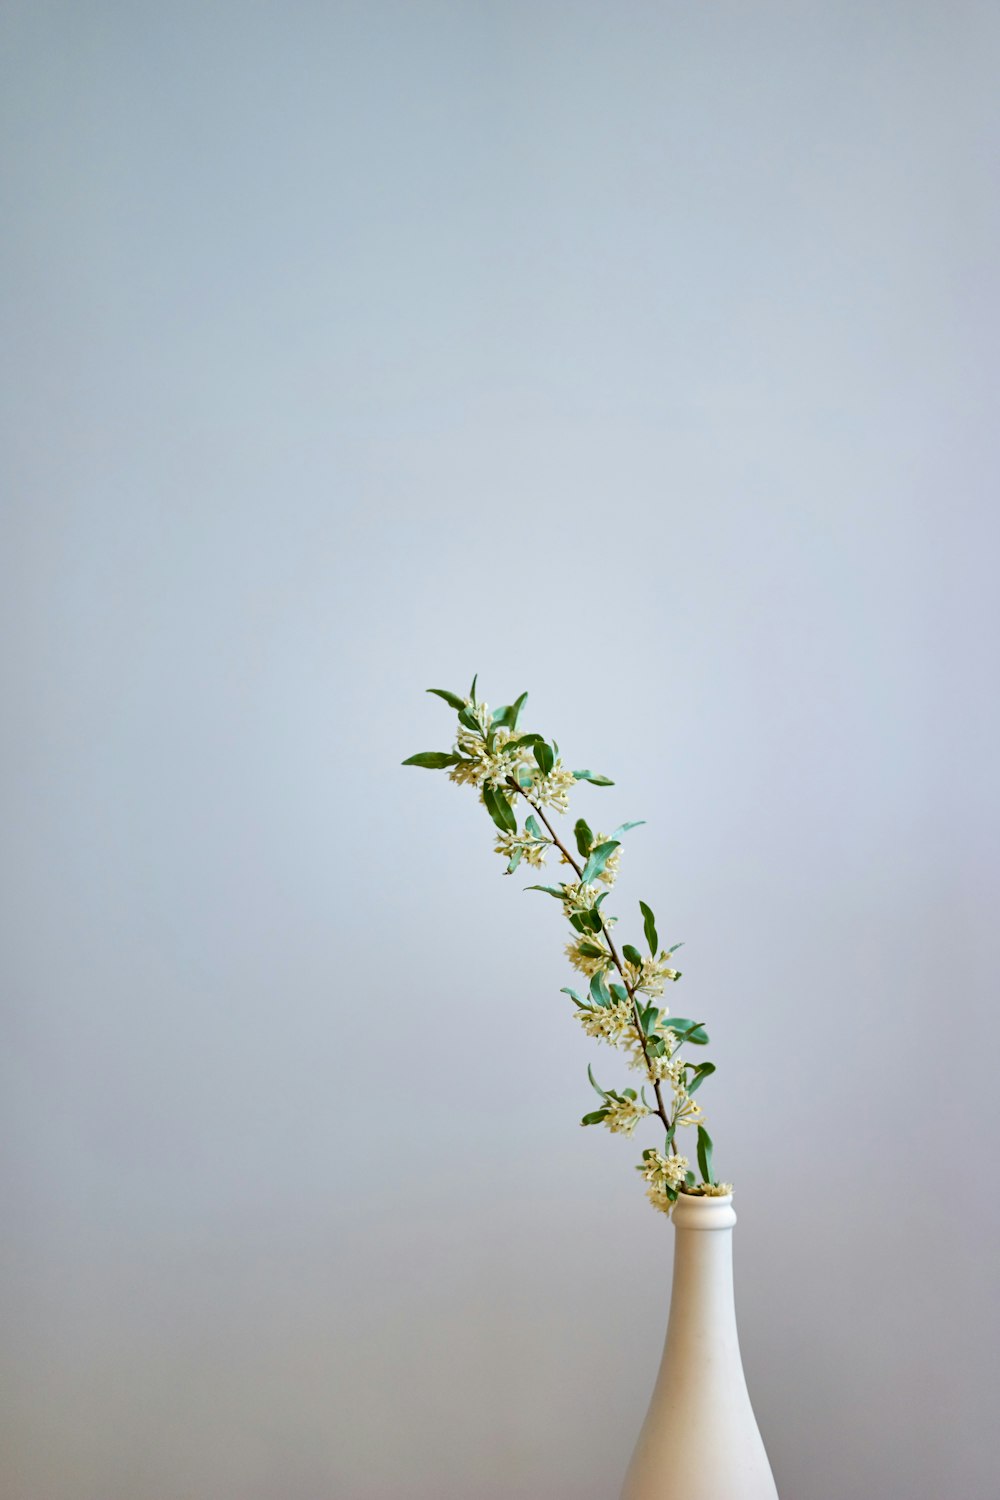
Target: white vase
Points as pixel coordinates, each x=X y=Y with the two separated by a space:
x=700 y=1440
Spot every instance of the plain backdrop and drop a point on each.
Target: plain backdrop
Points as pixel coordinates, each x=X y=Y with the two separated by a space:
x=643 y=356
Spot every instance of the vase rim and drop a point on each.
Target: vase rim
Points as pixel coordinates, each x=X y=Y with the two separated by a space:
x=691 y=1211
x=704 y=1197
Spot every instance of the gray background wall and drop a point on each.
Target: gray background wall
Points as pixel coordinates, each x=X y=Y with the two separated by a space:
x=643 y=356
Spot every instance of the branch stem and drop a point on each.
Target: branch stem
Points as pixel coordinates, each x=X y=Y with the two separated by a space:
x=661 y=1109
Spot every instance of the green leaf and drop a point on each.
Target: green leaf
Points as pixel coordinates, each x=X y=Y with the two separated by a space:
x=472 y=690
x=593 y=778
x=499 y=809
x=593 y=1081
x=701 y=1072
x=649 y=927
x=550 y=890
x=452 y=698
x=531 y=824
x=620 y=993
x=584 y=837
x=596 y=860
x=592 y=950
x=507 y=813
x=507 y=716
x=433 y=760
x=595 y=1117
x=544 y=756
x=577 y=922
x=573 y=996
x=468 y=718
x=524 y=780
x=599 y=992
x=690 y=1179
x=514 y=861
x=669 y=1139
x=705 y=1154
x=650 y=1017
x=632 y=955
x=624 y=828
x=524 y=740
x=688 y=1031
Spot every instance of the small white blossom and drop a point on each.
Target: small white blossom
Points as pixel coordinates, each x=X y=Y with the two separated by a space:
x=481 y=713
x=608 y=1023
x=532 y=850
x=656 y=1068
x=686 y=1111
x=466 y=773
x=623 y=1113
x=664 y=1174
x=663 y=1171
x=659 y=1200
x=553 y=790
x=486 y=767
x=504 y=759
x=650 y=977
x=673 y=1072
x=589 y=962
x=577 y=898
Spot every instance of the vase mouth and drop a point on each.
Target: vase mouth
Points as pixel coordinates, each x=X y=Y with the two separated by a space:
x=692 y=1211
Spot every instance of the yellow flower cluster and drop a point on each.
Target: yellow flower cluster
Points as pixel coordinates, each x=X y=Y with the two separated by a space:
x=623 y=1114
x=588 y=955
x=577 y=898
x=650 y=977
x=686 y=1111
x=483 y=766
x=662 y=1172
x=608 y=1023
x=553 y=790
x=657 y=1068
x=659 y=1200
x=532 y=850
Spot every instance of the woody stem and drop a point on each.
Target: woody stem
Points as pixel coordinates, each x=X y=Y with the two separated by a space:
x=660 y=1106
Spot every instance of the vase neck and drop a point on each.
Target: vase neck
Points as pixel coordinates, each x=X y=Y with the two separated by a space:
x=702 y=1294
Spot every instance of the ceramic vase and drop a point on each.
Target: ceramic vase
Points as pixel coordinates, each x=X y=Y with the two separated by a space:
x=700 y=1439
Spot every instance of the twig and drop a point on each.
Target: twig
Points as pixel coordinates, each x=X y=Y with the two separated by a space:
x=660 y=1107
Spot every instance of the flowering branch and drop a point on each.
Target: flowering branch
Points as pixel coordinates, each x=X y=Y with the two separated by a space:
x=660 y=1107
x=502 y=764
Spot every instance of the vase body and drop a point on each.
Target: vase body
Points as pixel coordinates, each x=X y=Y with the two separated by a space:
x=700 y=1439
